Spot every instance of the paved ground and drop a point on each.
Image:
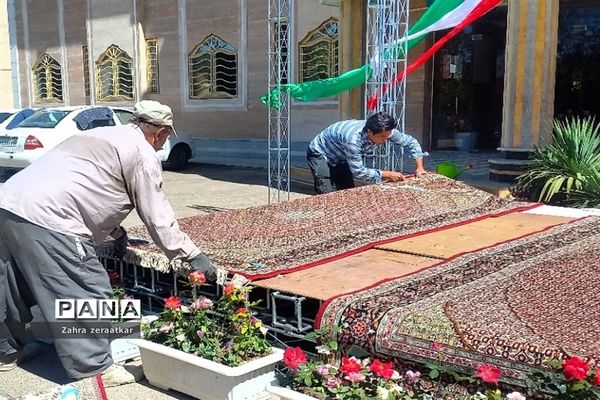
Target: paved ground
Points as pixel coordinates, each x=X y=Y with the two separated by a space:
x=200 y=189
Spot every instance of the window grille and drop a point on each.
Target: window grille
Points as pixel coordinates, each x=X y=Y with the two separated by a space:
x=213 y=70
x=319 y=52
x=152 y=65
x=114 y=75
x=47 y=80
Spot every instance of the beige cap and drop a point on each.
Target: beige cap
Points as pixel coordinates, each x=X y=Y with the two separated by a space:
x=154 y=113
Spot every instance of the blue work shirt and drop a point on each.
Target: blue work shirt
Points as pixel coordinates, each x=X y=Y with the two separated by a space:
x=347 y=142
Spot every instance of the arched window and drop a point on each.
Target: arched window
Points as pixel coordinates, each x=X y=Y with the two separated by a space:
x=319 y=52
x=213 y=70
x=114 y=75
x=47 y=80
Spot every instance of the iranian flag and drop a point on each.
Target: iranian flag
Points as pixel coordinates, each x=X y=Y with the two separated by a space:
x=441 y=15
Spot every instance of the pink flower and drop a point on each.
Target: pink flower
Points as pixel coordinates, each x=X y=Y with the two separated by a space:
x=294 y=357
x=200 y=334
x=575 y=369
x=356 y=377
x=437 y=346
x=412 y=377
x=196 y=278
x=172 y=303
x=201 y=304
x=323 y=370
x=488 y=373
x=333 y=383
x=166 y=328
x=350 y=365
x=515 y=396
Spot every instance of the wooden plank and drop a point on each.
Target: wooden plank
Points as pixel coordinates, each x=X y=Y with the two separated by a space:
x=347 y=274
x=475 y=235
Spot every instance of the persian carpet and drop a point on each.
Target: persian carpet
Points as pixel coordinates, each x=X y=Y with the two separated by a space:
x=265 y=241
x=512 y=305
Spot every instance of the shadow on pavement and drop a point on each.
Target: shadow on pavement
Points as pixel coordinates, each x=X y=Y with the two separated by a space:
x=47 y=366
x=243 y=175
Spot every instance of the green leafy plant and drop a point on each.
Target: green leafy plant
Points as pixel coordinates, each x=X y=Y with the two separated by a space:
x=563 y=170
x=226 y=332
x=571 y=379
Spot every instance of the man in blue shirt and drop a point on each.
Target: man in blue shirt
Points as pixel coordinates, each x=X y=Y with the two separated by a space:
x=335 y=156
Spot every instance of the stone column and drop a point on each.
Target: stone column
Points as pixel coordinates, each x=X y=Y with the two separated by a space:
x=530 y=74
x=352 y=53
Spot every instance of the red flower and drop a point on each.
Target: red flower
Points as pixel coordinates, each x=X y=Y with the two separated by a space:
x=488 y=373
x=470 y=165
x=294 y=357
x=172 y=303
x=228 y=289
x=241 y=311
x=596 y=381
x=575 y=369
x=384 y=370
x=114 y=278
x=350 y=365
x=196 y=278
x=437 y=346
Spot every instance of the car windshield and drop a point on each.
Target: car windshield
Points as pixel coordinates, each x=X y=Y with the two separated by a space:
x=44 y=119
x=4 y=116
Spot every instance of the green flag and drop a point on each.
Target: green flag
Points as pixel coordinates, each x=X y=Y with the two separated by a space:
x=442 y=14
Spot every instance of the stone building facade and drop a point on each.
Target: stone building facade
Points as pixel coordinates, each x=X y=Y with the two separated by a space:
x=497 y=85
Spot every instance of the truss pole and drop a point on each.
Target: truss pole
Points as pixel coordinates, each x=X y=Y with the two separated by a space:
x=279 y=118
x=387 y=23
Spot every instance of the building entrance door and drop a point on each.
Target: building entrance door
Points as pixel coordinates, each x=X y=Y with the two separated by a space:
x=468 y=83
x=578 y=57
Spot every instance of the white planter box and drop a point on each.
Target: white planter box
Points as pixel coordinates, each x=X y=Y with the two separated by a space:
x=287 y=394
x=125 y=349
x=167 y=368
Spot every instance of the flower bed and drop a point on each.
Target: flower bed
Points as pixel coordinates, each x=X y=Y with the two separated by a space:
x=211 y=350
x=354 y=378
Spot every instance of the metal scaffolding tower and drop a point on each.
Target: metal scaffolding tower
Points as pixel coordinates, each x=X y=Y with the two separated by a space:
x=387 y=30
x=279 y=118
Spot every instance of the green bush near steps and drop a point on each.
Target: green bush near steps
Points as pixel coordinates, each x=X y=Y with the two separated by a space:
x=567 y=170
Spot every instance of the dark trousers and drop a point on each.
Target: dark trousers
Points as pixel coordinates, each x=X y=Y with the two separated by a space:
x=38 y=266
x=328 y=178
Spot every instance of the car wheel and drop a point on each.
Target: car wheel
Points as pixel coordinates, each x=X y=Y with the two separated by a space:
x=178 y=158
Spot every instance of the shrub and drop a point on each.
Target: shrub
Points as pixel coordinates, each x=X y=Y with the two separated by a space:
x=567 y=170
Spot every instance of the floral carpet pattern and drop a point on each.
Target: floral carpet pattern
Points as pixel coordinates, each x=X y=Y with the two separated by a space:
x=265 y=241
x=513 y=305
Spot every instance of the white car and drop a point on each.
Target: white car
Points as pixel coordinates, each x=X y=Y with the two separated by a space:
x=48 y=127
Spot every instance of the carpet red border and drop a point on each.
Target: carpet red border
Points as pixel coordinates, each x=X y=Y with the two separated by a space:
x=254 y=277
x=101 y=387
x=328 y=301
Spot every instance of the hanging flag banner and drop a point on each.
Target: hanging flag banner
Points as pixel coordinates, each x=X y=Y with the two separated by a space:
x=480 y=9
x=442 y=14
